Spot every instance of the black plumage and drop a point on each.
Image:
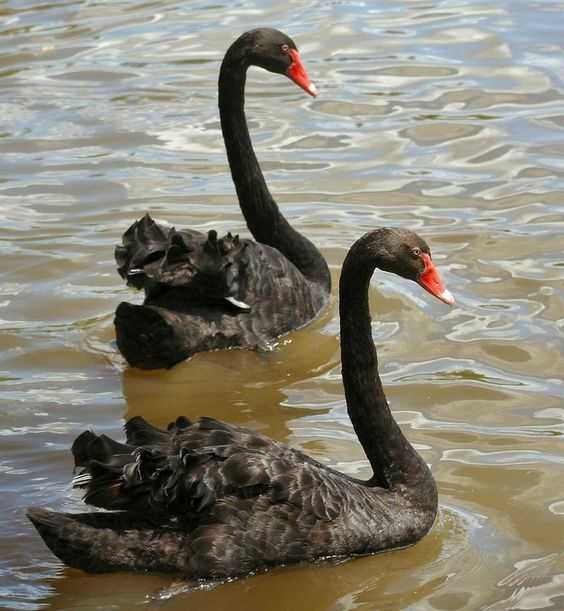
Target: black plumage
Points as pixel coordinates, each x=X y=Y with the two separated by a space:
x=211 y=500
x=203 y=292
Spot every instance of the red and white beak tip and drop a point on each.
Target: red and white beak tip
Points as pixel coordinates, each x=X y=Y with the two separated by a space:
x=446 y=296
x=297 y=73
x=312 y=90
x=431 y=281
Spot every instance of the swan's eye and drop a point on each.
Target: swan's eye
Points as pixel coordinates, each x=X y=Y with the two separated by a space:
x=285 y=49
x=416 y=252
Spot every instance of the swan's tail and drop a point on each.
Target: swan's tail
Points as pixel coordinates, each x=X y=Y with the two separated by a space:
x=146 y=338
x=105 y=542
x=120 y=476
x=130 y=476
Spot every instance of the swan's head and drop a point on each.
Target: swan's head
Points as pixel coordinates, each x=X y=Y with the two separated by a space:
x=406 y=254
x=274 y=51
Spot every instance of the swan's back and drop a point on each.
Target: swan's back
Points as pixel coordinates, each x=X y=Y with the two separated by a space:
x=205 y=293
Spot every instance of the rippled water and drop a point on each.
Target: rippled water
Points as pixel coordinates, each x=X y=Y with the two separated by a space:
x=446 y=117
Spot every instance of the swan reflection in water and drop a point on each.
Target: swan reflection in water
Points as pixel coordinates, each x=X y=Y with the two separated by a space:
x=241 y=386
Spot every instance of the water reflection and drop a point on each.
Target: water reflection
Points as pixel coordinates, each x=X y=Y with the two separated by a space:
x=237 y=385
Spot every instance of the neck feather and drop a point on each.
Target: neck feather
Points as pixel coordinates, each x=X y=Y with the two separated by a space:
x=394 y=461
x=263 y=217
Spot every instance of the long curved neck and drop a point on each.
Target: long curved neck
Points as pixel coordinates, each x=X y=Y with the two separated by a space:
x=394 y=461
x=264 y=219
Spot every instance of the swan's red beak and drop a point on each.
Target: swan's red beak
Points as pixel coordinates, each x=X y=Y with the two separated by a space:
x=298 y=74
x=431 y=281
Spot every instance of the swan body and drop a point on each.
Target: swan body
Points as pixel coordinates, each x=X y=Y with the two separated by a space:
x=204 y=293
x=210 y=500
x=220 y=501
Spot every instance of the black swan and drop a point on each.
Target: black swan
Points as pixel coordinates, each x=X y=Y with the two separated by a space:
x=210 y=500
x=203 y=292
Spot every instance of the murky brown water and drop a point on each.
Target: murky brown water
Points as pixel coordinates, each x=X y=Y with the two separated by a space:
x=446 y=117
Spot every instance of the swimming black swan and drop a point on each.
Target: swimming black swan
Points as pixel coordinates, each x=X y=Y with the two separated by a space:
x=210 y=500
x=203 y=292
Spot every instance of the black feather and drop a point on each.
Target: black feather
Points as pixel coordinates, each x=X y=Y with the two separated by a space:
x=139 y=432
